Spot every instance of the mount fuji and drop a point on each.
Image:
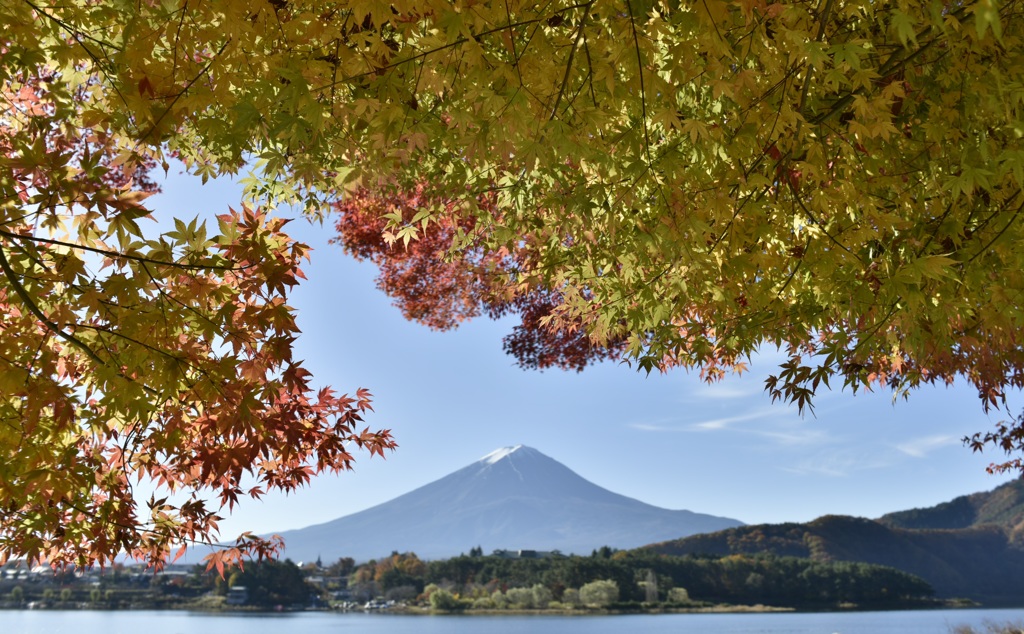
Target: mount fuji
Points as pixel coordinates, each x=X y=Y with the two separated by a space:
x=513 y=498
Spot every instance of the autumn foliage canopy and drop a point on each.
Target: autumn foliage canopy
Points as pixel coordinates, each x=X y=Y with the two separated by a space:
x=128 y=356
x=682 y=183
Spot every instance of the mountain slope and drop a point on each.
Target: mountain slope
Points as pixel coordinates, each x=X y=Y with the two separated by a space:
x=977 y=562
x=1003 y=506
x=514 y=498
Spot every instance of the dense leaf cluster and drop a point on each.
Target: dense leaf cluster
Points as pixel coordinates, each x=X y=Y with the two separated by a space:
x=440 y=292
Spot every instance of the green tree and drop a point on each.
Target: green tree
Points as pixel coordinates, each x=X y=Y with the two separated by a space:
x=599 y=593
x=484 y=603
x=343 y=567
x=519 y=598
x=499 y=599
x=396 y=578
x=571 y=597
x=678 y=595
x=541 y=596
x=272 y=583
x=444 y=601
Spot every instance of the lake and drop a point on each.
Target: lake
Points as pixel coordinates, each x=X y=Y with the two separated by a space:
x=142 y=622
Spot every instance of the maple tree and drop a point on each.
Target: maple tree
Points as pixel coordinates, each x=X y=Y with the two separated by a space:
x=689 y=181
x=127 y=357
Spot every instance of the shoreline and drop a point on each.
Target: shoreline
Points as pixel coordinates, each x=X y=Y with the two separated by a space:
x=411 y=610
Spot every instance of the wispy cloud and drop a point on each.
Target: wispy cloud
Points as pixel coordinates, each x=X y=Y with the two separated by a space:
x=726 y=391
x=706 y=425
x=658 y=424
x=724 y=422
x=798 y=437
x=654 y=427
x=921 y=447
x=772 y=425
x=840 y=463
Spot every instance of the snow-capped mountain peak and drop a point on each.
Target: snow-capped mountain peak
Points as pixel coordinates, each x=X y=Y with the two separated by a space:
x=498 y=454
x=513 y=498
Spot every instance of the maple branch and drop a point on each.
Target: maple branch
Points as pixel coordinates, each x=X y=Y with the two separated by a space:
x=462 y=40
x=12 y=277
x=181 y=93
x=998 y=235
x=76 y=33
x=116 y=255
x=789 y=278
x=985 y=223
x=894 y=63
x=707 y=9
x=800 y=201
x=54 y=328
x=180 y=360
x=512 y=39
x=590 y=72
x=737 y=210
x=177 y=39
x=192 y=309
x=116 y=333
x=931 y=236
x=873 y=330
x=822 y=21
x=568 y=63
x=640 y=72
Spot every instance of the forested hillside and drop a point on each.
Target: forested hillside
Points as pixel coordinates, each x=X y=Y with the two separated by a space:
x=1003 y=506
x=978 y=562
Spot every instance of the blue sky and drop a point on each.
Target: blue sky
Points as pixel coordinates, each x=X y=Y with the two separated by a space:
x=669 y=440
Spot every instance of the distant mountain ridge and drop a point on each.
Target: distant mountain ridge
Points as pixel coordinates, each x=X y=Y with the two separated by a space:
x=968 y=547
x=513 y=498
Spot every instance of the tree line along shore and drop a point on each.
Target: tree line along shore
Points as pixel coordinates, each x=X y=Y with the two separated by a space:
x=607 y=580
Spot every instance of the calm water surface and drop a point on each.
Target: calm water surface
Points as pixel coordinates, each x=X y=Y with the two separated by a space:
x=84 y=622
